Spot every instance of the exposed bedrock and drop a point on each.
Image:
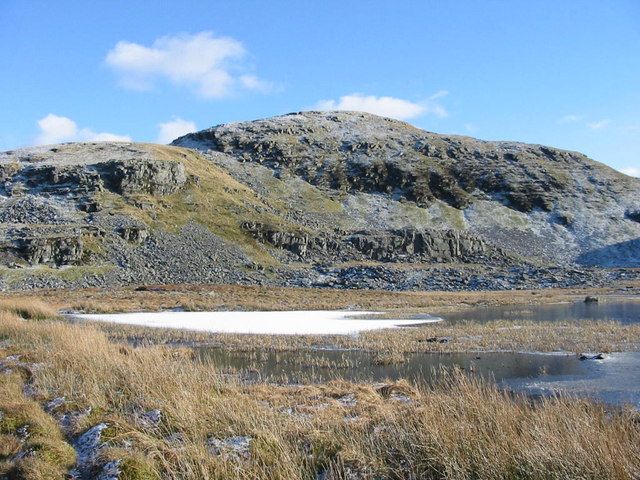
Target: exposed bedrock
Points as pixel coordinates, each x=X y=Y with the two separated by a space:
x=124 y=177
x=389 y=246
x=55 y=249
x=154 y=177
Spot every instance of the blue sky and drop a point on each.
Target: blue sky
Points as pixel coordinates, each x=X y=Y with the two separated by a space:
x=559 y=73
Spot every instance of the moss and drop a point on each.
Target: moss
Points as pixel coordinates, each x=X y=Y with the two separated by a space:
x=137 y=468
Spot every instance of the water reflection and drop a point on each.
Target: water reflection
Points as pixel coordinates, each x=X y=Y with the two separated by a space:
x=615 y=380
x=327 y=365
x=620 y=310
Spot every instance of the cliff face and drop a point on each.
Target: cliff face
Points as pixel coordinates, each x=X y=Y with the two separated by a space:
x=326 y=199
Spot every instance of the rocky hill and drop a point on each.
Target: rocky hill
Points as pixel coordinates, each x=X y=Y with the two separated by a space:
x=335 y=199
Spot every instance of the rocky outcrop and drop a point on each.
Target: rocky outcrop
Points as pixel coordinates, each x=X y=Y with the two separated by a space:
x=122 y=176
x=134 y=234
x=153 y=177
x=408 y=244
x=55 y=249
x=301 y=243
x=61 y=180
x=403 y=245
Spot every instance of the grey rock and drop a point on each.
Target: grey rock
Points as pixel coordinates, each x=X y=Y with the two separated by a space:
x=154 y=177
x=54 y=249
x=238 y=447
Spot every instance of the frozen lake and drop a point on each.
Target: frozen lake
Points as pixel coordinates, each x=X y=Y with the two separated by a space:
x=313 y=322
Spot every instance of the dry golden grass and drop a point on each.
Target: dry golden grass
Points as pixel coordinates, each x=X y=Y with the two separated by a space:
x=32 y=309
x=500 y=335
x=461 y=428
x=237 y=297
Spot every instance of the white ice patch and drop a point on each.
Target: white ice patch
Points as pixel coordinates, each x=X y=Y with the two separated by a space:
x=318 y=322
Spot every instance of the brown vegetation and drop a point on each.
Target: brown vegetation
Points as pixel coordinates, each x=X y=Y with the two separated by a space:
x=239 y=297
x=459 y=428
x=501 y=335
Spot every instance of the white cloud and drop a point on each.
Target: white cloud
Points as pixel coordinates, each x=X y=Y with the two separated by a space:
x=599 y=124
x=571 y=118
x=173 y=129
x=439 y=94
x=200 y=61
x=386 y=106
x=632 y=171
x=470 y=127
x=252 y=82
x=57 y=129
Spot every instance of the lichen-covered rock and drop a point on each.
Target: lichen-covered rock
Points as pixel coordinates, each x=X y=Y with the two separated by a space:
x=238 y=447
x=31 y=209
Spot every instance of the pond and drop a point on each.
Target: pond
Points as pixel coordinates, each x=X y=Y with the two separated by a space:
x=625 y=310
x=614 y=380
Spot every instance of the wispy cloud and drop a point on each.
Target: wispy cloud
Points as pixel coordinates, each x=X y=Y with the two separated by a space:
x=571 y=118
x=599 y=125
x=392 y=107
x=633 y=171
x=57 y=129
x=169 y=131
x=470 y=128
x=211 y=66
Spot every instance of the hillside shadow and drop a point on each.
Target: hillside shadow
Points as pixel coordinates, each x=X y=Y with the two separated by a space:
x=623 y=254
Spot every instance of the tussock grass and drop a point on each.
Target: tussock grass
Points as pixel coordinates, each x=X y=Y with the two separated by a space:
x=32 y=309
x=459 y=428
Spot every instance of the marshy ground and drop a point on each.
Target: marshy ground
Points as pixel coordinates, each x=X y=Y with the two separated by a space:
x=101 y=398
